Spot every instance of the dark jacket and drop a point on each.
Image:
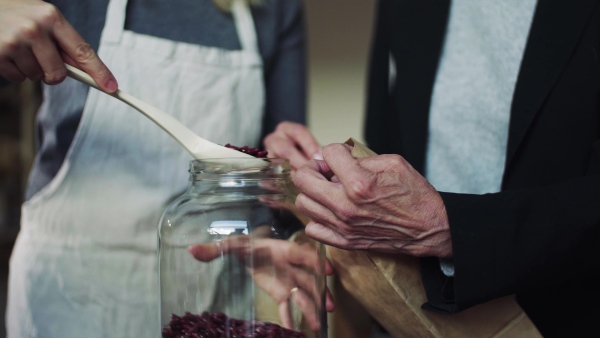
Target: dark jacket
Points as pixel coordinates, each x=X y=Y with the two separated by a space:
x=539 y=238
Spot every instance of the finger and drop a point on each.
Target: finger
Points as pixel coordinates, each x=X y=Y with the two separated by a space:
x=326 y=235
x=206 y=252
x=319 y=208
x=308 y=308
x=347 y=168
x=283 y=277
x=329 y=302
x=67 y=59
x=285 y=314
x=261 y=232
x=82 y=53
x=307 y=282
x=328 y=267
x=277 y=286
x=304 y=256
x=11 y=72
x=281 y=147
x=324 y=169
x=310 y=178
x=302 y=263
x=46 y=53
x=302 y=137
x=28 y=65
x=299 y=263
x=279 y=290
x=389 y=163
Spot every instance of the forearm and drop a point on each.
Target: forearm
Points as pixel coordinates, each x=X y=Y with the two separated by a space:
x=285 y=75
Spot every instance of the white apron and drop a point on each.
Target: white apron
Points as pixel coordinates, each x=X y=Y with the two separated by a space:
x=85 y=262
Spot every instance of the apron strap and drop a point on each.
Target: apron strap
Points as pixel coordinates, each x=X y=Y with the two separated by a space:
x=115 y=21
x=244 y=25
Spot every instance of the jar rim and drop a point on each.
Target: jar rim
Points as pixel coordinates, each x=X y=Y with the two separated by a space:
x=240 y=165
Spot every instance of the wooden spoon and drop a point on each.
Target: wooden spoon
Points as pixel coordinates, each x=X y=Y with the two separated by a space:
x=198 y=147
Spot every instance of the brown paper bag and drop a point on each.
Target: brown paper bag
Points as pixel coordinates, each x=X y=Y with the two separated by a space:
x=389 y=287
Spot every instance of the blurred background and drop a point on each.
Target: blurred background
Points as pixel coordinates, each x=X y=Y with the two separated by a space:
x=339 y=33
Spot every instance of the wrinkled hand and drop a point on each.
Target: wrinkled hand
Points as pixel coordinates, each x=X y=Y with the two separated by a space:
x=277 y=266
x=378 y=203
x=294 y=142
x=35 y=42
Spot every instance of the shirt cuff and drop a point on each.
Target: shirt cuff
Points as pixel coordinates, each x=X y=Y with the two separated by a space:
x=447 y=266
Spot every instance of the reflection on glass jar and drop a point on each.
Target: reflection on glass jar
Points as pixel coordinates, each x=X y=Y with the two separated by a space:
x=233 y=259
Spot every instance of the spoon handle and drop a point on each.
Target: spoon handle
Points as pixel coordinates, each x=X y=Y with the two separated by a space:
x=195 y=145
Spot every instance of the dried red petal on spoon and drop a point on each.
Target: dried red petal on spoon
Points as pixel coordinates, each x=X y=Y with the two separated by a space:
x=256 y=152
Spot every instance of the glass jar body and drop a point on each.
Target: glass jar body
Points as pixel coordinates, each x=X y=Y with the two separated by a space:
x=233 y=260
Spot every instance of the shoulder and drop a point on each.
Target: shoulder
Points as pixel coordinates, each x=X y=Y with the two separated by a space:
x=281 y=12
x=279 y=24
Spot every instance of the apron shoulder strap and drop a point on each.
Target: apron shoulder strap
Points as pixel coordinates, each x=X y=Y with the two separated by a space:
x=244 y=25
x=114 y=25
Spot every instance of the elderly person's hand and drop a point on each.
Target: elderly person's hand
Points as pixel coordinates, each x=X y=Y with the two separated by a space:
x=35 y=42
x=294 y=142
x=378 y=203
x=282 y=268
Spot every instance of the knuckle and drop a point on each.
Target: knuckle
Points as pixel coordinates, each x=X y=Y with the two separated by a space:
x=102 y=73
x=268 y=139
x=282 y=126
x=289 y=127
x=10 y=45
x=297 y=180
x=418 y=252
x=345 y=243
x=55 y=77
x=285 y=153
x=10 y=73
x=297 y=130
x=48 y=13
x=30 y=30
x=299 y=202
x=301 y=179
x=346 y=214
x=287 y=251
x=84 y=53
x=360 y=189
x=395 y=161
x=36 y=76
x=331 y=148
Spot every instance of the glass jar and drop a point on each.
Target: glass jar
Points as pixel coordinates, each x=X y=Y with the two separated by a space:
x=233 y=258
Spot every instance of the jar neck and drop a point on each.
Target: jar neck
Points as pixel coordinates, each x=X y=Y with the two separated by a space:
x=232 y=173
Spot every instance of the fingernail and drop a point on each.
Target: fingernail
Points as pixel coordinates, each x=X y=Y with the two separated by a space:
x=318 y=156
x=111 y=85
